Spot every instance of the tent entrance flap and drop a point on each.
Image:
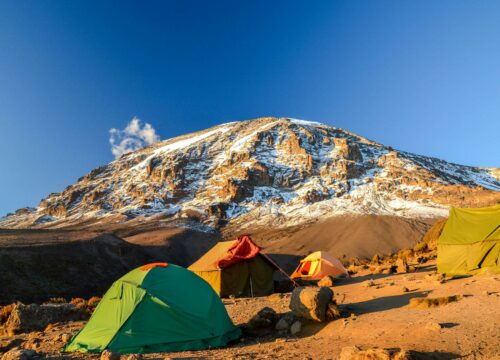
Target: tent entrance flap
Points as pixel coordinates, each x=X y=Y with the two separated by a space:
x=305 y=267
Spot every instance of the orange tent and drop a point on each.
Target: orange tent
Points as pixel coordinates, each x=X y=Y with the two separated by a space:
x=318 y=265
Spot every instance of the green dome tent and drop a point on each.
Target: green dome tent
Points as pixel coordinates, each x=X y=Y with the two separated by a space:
x=156 y=308
x=470 y=241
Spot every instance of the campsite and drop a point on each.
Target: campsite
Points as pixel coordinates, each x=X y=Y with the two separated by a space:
x=233 y=180
x=224 y=306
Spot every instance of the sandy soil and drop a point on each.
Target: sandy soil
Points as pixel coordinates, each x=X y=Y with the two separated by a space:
x=379 y=316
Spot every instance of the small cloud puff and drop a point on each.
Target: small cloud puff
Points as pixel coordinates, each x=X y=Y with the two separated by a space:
x=135 y=136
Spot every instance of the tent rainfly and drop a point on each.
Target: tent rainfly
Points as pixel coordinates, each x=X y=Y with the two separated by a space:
x=158 y=307
x=236 y=268
x=317 y=265
x=470 y=241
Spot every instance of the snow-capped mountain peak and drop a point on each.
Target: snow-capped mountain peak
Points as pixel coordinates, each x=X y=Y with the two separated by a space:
x=268 y=171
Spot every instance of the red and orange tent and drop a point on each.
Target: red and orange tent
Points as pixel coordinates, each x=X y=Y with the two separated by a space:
x=237 y=268
x=318 y=265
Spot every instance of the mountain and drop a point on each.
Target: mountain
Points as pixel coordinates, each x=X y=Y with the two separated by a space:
x=269 y=171
x=295 y=186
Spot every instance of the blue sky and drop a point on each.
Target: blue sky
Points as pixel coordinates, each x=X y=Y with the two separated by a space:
x=422 y=76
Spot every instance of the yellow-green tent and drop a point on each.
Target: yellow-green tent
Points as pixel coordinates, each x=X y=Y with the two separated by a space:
x=470 y=241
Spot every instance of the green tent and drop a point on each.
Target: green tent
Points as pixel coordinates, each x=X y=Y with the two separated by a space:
x=470 y=241
x=156 y=308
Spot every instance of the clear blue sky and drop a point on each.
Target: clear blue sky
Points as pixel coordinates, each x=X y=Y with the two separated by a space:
x=422 y=76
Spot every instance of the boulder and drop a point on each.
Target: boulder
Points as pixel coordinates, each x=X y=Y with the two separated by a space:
x=19 y=354
x=327 y=281
x=311 y=302
x=34 y=317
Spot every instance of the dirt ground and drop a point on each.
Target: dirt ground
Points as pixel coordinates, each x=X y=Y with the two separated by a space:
x=379 y=315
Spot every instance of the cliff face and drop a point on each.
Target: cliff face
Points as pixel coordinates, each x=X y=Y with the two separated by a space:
x=267 y=171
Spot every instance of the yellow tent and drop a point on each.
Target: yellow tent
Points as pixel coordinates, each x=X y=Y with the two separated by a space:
x=317 y=265
x=470 y=241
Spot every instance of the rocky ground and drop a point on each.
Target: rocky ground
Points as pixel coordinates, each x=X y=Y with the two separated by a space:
x=377 y=311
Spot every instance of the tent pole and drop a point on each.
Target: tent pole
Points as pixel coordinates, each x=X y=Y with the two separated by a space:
x=251 y=287
x=281 y=270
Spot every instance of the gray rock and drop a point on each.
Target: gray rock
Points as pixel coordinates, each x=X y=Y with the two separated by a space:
x=261 y=323
x=285 y=321
x=295 y=328
x=265 y=318
x=311 y=302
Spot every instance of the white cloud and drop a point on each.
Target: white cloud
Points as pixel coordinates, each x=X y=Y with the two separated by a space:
x=134 y=136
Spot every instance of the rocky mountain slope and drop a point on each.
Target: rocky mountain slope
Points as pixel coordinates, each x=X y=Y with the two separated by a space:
x=267 y=171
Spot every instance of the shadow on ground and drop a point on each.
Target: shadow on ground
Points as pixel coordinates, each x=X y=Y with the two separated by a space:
x=434 y=355
x=383 y=303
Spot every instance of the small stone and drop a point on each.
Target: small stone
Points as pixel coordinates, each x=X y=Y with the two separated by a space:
x=134 y=357
x=282 y=324
x=434 y=277
x=295 y=328
x=109 y=355
x=333 y=311
x=405 y=289
x=401 y=266
x=327 y=281
x=276 y=297
x=434 y=326
x=66 y=337
x=368 y=283
x=486 y=292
